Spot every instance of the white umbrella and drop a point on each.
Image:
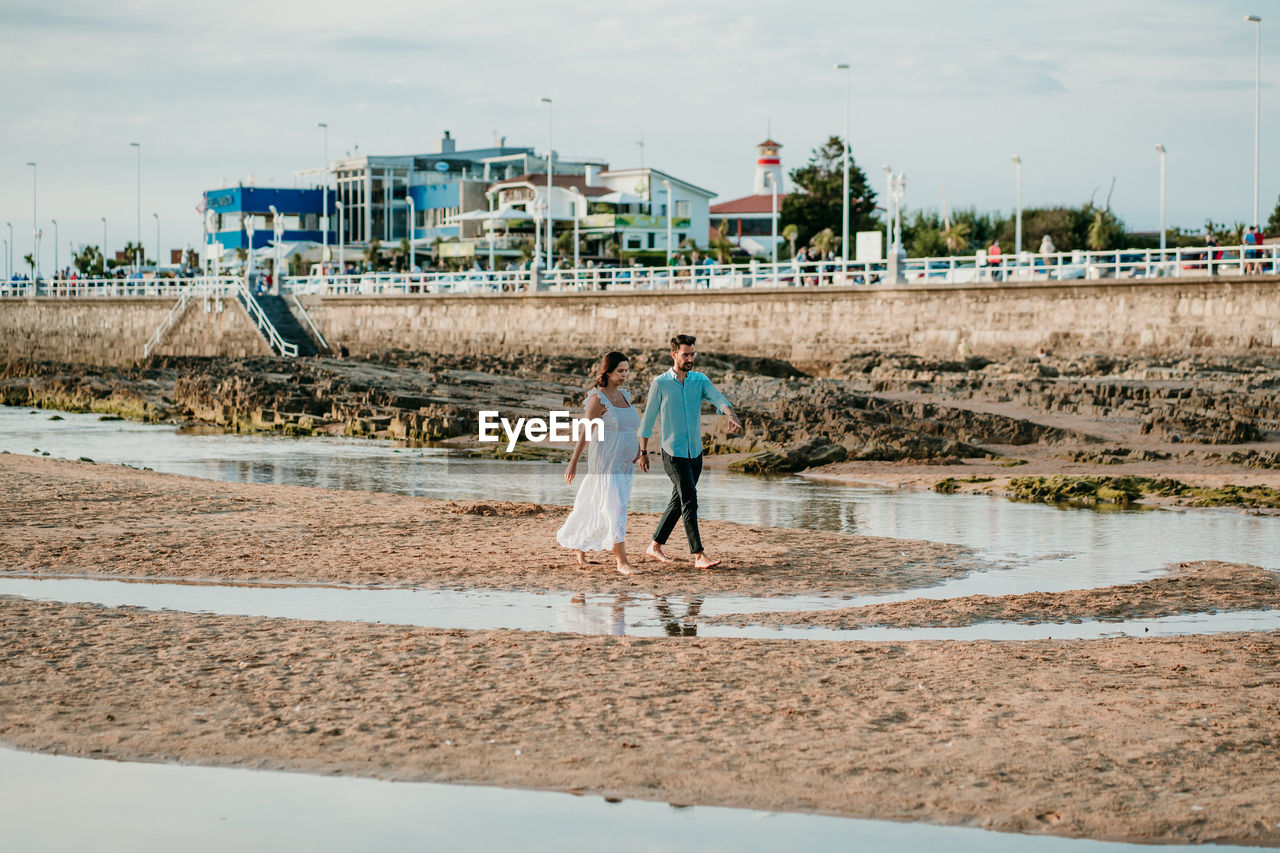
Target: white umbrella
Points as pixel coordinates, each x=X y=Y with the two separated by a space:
x=507 y=213
x=619 y=197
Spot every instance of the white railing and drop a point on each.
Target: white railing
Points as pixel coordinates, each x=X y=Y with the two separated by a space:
x=961 y=269
x=264 y=324
x=310 y=323
x=158 y=335
x=107 y=288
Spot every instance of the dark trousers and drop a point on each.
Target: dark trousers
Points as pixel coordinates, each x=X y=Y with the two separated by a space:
x=683 y=473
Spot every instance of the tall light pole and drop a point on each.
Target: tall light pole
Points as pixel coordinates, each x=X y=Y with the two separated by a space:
x=667 y=184
x=408 y=196
x=324 y=189
x=342 y=243
x=1257 y=103
x=7 y=274
x=844 y=232
x=139 y=255
x=577 y=198
x=55 y=248
x=550 y=171
x=888 y=209
x=773 y=219
x=1163 y=230
x=489 y=195
x=104 y=246
x=1017 y=232
x=35 y=226
x=156 y=217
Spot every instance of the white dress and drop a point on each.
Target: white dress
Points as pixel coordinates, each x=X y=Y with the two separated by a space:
x=599 y=517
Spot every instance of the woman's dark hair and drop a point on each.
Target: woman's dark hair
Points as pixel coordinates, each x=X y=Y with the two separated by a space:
x=607 y=365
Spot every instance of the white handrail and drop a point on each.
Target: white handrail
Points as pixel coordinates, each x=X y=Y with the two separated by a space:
x=307 y=317
x=278 y=344
x=164 y=327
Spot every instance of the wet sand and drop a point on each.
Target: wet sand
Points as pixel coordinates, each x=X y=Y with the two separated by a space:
x=1197 y=587
x=60 y=517
x=1155 y=740
x=1168 y=739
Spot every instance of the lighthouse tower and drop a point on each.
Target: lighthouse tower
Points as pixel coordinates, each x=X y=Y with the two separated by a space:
x=768 y=163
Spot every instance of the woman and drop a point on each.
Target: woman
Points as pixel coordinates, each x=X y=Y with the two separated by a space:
x=598 y=521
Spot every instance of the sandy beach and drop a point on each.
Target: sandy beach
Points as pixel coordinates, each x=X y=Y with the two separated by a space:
x=1161 y=739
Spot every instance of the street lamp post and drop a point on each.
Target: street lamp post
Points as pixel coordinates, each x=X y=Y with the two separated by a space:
x=104 y=246
x=888 y=208
x=576 y=254
x=773 y=231
x=670 y=210
x=550 y=171
x=8 y=276
x=248 y=262
x=1163 y=229
x=1257 y=103
x=409 y=198
x=55 y=248
x=844 y=232
x=324 y=190
x=342 y=243
x=277 y=262
x=489 y=195
x=156 y=217
x=139 y=255
x=35 y=226
x=1017 y=228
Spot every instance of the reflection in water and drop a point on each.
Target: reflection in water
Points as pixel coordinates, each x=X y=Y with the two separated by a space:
x=679 y=626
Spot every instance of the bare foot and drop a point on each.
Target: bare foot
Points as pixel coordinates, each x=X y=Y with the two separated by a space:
x=705 y=562
x=626 y=569
x=654 y=552
x=582 y=557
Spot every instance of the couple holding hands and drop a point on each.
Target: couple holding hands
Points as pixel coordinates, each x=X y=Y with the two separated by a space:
x=598 y=521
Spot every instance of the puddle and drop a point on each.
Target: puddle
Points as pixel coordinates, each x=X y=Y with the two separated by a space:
x=138 y=808
x=632 y=615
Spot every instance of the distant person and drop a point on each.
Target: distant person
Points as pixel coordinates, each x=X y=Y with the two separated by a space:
x=343 y=352
x=993 y=258
x=1251 y=239
x=677 y=397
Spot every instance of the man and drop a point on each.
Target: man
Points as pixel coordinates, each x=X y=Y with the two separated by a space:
x=677 y=395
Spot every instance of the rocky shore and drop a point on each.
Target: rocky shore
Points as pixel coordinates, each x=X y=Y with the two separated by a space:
x=876 y=412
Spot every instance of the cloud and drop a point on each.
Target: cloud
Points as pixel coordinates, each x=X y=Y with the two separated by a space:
x=371 y=43
x=63 y=19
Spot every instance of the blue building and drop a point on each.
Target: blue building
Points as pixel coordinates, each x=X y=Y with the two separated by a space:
x=236 y=207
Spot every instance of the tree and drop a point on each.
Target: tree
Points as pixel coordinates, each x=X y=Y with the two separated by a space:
x=1067 y=227
x=825 y=241
x=30 y=260
x=1273 y=224
x=375 y=254
x=1105 y=229
x=956 y=238
x=722 y=246
x=817 y=203
x=791 y=233
x=89 y=261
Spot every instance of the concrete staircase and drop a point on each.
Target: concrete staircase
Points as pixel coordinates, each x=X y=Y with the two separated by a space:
x=286 y=324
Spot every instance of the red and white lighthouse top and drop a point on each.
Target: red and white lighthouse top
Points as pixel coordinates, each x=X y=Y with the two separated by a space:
x=768 y=153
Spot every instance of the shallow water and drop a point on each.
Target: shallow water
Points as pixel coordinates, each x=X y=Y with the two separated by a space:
x=130 y=807
x=632 y=615
x=1044 y=548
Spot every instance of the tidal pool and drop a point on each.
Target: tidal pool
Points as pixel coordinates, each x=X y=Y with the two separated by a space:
x=58 y=803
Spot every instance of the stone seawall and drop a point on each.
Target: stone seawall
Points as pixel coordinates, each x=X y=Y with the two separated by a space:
x=116 y=330
x=808 y=326
x=813 y=327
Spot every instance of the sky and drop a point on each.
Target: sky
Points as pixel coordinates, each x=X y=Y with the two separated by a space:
x=945 y=92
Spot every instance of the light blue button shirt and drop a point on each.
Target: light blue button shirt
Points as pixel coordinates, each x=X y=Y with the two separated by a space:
x=680 y=404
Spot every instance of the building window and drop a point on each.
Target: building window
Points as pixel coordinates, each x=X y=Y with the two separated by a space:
x=682 y=208
x=633 y=242
x=650 y=239
x=680 y=235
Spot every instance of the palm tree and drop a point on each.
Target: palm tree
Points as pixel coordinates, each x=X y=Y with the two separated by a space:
x=957 y=237
x=825 y=241
x=1105 y=230
x=791 y=233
